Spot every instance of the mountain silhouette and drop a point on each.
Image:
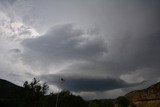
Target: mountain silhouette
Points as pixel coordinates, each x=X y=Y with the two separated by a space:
x=9 y=90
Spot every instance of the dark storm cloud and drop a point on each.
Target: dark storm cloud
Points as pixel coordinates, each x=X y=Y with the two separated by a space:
x=132 y=53
x=85 y=84
x=124 y=48
x=136 y=52
x=63 y=43
x=129 y=47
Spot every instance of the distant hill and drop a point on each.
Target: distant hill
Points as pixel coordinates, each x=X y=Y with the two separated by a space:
x=149 y=97
x=9 y=90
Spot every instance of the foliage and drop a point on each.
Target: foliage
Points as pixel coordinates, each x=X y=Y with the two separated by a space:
x=122 y=102
x=101 y=103
x=66 y=99
x=36 y=87
x=33 y=92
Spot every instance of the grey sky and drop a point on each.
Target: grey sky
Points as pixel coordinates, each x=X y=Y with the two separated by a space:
x=104 y=45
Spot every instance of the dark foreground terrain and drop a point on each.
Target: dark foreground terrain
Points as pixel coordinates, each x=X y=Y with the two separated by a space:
x=34 y=95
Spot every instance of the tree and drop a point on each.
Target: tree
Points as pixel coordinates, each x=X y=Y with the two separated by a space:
x=67 y=99
x=36 y=87
x=101 y=103
x=34 y=91
x=122 y=102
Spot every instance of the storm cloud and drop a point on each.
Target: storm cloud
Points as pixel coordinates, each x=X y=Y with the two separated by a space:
x=87 y=54
x=84 y=52
x=65 y=43
x=96 y=46
x=86 y=84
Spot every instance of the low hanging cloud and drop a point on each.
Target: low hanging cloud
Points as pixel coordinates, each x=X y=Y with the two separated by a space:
x=85 y=84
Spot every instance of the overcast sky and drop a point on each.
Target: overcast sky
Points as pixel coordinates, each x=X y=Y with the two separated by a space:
x=102 y=48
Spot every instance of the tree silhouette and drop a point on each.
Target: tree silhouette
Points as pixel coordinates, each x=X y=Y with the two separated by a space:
x=34 y=91
x=122 y=102
x=36 y=87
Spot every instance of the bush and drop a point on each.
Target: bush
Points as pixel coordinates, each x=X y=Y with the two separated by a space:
x=122 y=102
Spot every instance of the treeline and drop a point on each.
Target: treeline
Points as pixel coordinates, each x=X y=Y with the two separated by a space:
x=34 y=95
x=118 y=102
